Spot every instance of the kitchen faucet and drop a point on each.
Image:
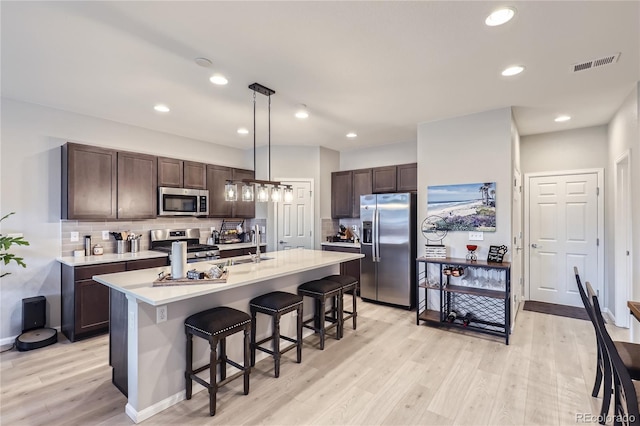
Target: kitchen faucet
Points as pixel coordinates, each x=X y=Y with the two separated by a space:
x=257 y=238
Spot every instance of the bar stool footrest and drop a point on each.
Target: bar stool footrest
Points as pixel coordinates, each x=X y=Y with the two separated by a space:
x=230 y=378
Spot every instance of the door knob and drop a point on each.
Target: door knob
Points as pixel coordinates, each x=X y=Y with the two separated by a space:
x=282 y=242
x=534 y=245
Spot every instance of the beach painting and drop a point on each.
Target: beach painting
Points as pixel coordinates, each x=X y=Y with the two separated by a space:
x=465 y=207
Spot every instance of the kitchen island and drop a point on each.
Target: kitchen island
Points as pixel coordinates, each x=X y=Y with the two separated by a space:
x=147 y=323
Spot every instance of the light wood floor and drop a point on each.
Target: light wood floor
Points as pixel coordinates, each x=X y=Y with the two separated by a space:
x=388 y=371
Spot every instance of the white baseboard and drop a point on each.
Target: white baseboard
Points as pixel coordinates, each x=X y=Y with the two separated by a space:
x=608 y=316
x=139 y=416
x=7 y=340
x=11 y=340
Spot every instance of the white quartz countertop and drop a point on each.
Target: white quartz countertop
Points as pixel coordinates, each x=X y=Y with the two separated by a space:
x=146 y=254
x=339 y=244
x=233 y=246
x=139 y=284
x=109 y=258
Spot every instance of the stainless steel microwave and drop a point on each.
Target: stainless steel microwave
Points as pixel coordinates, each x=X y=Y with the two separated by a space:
x=183 y=202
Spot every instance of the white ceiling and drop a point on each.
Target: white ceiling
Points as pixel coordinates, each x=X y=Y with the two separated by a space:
x=376 y=68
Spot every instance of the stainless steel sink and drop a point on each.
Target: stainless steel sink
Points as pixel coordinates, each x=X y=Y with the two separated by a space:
x=243 y=261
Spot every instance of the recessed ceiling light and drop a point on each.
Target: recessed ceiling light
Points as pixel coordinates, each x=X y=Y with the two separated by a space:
x=562 y=118
x=161 y=108
x=513 y=70
x=500 y=16
x=203 y=62
x=243 y=131
x=302 y=111
x=352 y=135
x=218 y=79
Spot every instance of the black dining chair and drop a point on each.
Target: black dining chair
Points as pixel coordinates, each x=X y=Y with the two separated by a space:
x=629 y=354
x=626 y=410
x=603 y=368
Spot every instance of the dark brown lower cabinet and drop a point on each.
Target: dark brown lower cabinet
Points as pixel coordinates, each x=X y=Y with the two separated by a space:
x=351 y=267
x=85 y=302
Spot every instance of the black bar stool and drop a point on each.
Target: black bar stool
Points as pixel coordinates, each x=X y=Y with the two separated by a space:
x=215 y=325
x=348 y=283
x=276 y=304
x=321 y=290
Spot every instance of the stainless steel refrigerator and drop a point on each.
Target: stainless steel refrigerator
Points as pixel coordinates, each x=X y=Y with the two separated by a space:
x=388 y=241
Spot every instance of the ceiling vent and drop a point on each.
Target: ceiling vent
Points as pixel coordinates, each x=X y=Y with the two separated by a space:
x=595 y=63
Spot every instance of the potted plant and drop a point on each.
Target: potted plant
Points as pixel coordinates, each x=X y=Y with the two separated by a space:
x=6 y=242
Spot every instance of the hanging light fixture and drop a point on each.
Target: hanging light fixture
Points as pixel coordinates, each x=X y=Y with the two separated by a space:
x=276 y=194
x=265 y=190
x=247 y=192
x=230 y=191
x=263 y=194
x=288 y=194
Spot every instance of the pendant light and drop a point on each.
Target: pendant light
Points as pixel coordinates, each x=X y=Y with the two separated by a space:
x=288 y=194
x=265 y=190
x=230 y=191
x=275 y=194
x=247 y=192
x=263 y=194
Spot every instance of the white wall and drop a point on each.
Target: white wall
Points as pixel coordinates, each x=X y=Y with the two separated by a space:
x=315 y=163
x=482 y=153
x=385 y=155
x=30 y=186
x=584 y=148
x=329 y=163
x=624 y=134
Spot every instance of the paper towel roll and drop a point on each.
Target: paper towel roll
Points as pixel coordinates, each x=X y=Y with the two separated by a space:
x=178 y=260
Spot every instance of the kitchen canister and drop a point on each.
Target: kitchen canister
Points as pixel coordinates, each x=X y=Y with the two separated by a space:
x=87 y=245
x=135 y=245
x=178 y=260
x=121 y=246
x=98 y=250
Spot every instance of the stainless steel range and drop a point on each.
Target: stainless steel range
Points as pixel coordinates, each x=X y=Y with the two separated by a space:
x=161 y=240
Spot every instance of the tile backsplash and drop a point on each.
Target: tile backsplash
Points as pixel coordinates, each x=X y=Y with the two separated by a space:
x=350 y=223
x=140 y=227
x=329 y=227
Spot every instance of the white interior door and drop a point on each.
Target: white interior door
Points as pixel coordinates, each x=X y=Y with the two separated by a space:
x=517 y=290
x=623 y=243
x=295 y=219
x=563 y=233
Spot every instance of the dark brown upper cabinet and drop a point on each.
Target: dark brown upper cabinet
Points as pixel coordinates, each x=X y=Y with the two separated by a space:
x=244 y=209
x=347 y=186
x=88 y=182
x=137 y=186
x=181 y=174
x=195 y=175
x=341 y=194
x=384 y=179
x=217 y=177
x=407 y=177
x=362 y=185
x=170 y=172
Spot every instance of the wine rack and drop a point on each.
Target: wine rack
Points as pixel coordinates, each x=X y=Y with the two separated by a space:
x=442 y=289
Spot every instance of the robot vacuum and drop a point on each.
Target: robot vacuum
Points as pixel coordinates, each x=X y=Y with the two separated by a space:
x=34 y=333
